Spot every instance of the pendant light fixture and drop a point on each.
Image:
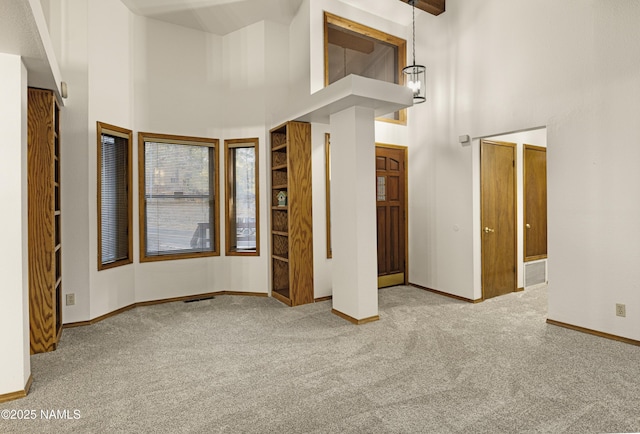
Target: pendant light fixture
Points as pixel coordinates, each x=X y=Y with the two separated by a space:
x=415 y=75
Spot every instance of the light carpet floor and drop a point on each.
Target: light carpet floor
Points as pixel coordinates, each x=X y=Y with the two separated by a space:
x=252 y=365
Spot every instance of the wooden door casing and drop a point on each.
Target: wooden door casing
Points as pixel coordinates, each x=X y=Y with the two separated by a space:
x=535 y=202
x=391 y=214
x=498 y=218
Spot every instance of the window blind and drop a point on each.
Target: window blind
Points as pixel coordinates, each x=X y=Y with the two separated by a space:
x=179 y=198
x=114 y=199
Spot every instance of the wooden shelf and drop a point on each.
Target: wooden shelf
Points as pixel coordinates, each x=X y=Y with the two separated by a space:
x=279 y=258
x=291 y=233
x=279 y=294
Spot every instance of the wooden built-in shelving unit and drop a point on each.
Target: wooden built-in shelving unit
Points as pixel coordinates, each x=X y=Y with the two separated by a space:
x=45 y=248
x=291 y=224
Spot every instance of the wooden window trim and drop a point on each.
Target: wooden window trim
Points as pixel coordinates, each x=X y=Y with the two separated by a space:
x=229 y=144
x=215 y=231
x=104 y=128
x=327 y=183
x=361 y=29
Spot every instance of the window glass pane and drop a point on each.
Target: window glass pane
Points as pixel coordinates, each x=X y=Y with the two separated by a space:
x=175 y=225
x=178 y=198
x=382 y=188
x=243 y=198
x=114 y=206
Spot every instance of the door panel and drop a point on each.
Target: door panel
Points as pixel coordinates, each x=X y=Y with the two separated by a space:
x=393 y=188
x=390 y=192
x=382 y=240
x=498 y=202
x=395 y=262
x=535 y=203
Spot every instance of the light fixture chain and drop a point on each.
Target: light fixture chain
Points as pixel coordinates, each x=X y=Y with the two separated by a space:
x=415 y=74
x=413 y=9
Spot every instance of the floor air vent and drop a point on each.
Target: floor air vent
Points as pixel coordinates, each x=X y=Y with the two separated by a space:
x=535 y=273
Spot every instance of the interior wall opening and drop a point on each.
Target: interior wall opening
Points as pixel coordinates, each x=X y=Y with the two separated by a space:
x=531 y=212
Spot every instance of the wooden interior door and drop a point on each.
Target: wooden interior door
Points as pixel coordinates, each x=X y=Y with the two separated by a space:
x=391 y=212
x=535 y=202
x=498 y=214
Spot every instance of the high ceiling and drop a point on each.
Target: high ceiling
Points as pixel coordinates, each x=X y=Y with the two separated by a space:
x=225 y=16
x=20 y=35
x=215 y=16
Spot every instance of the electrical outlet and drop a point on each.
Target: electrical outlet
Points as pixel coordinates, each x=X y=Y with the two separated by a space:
x=71 y=299
x=621 y=310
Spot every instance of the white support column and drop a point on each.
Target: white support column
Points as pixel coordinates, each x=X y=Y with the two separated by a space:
x=350 y=105
x=15 y=366
x=353 y=214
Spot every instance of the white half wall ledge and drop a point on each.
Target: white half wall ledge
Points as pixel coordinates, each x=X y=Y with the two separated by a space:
x=353 y=90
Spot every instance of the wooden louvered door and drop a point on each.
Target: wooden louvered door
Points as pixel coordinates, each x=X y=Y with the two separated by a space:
x=391 y=209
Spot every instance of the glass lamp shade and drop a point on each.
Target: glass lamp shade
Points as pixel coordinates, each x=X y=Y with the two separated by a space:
x=415 y=79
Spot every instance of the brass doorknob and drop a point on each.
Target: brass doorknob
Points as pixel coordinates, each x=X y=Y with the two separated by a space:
x=487 y=230
x=528 y=226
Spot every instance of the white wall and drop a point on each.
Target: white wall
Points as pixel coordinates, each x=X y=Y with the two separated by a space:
x=121 y=69
x=299 y=55
x=221 y=95
x=110 y=100
x=322 y=268
x=176 y=91
x=440 y=220
x=255 y=82
x=75 y=164
x=14 y=297
x=177 y=79
x=572 y=66
x=52 y=11
x=277 y=72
